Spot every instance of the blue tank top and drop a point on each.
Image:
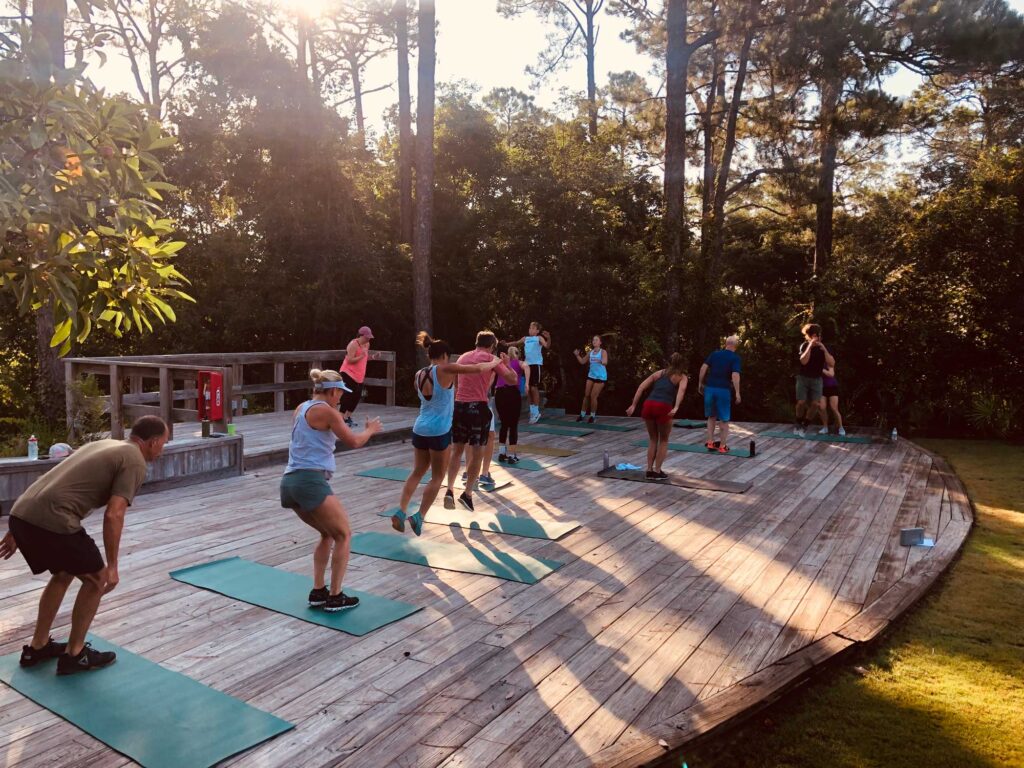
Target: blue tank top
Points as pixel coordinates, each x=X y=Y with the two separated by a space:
x=533 y=352
x=598 y=370
x=435 y=417
x=310 y=448
x=664 y=391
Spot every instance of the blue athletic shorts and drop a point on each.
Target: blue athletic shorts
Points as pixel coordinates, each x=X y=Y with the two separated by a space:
x=718 y=403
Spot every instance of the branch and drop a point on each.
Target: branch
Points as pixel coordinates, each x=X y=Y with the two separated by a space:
x=753 y=176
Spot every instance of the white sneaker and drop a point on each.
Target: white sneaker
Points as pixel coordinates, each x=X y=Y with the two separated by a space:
x=823 y=431
x=534 y=418
x=796 y=430
x=801 y=431
x=842 y=432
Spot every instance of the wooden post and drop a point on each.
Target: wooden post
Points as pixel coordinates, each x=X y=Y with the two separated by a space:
x=135 y=384
x=229 y=387
x=69 y=398
x=236 y=378
x=167 y=400
x=116 y=423
x=279 y=379
x=389 y=397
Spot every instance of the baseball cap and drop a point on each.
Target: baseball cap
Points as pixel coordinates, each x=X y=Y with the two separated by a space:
x=365 y=331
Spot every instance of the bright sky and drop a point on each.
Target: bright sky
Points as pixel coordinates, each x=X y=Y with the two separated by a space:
x=477 y=44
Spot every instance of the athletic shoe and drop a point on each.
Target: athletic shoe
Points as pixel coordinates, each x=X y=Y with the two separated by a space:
x=31 y=656
x=592 y=419
x=397 y=522
x=318 y=597
x=650 y=474
x=579 y=418
x=340 y=602
x=487 y=479
x=466 y=501
x=534 y=418
x=723 y=449
x=710 y=445
x=823 y=431
x=661 y=475
x=842 y=432
x=797 y=430
x=416 y=523
x=465 y=476
x=449 y=500
x=87 y=660
x=502 y=458
x=513 y=459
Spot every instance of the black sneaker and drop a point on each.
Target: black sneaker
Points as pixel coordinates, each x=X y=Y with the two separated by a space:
x=88 y=659
x=502 y=458
x=318 y=597
x=466 y=501
x=580 y=417
x=661 y=475
x=31 y=656
x=449 y=500
x=340 y=602
x=592 y=419
x=650 y=474
x=513 y=459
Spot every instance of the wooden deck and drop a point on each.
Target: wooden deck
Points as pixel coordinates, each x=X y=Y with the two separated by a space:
x=677 y=609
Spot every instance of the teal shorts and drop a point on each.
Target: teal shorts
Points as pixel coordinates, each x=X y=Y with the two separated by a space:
x=304 y=489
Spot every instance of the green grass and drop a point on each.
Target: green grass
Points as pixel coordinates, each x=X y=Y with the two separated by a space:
x=945 y=688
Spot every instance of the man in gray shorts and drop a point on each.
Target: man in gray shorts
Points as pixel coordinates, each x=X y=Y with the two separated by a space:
x=814 y=358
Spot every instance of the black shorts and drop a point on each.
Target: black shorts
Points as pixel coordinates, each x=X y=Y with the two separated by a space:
x=433 y=443
x=349 y=400
x=534 y=376
x=597 y=381
x=830 y=391
x=471 y=423
x=74 y=553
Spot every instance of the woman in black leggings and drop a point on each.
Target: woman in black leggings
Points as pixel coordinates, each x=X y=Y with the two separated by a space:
x=509 y=402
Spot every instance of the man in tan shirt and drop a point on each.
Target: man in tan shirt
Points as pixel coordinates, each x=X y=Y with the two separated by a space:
x=46 y=524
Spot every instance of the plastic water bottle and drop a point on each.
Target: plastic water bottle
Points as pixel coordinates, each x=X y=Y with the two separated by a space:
x=895 y=435
x=33 y=447
x=607 y=462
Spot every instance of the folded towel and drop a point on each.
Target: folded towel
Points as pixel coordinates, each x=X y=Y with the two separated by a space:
x=622 y=467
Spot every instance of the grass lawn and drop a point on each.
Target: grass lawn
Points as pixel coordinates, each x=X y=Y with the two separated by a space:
x=945 y=688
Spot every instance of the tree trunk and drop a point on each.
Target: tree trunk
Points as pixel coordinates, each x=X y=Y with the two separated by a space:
x=48 y=17
x=404 y=124
x=674 y=232
x=422 y=312
x=357 y=96
x=153 y=52
x=591 y=78
x=300 y=48
x=825 y=194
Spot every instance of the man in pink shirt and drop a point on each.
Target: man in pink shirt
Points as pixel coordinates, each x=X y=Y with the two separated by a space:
x=471 y=423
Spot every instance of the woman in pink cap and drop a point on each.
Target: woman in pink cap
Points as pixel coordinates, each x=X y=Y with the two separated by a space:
x=353 y=372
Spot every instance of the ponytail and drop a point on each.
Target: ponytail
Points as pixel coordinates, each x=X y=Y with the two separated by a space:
x=436 y=348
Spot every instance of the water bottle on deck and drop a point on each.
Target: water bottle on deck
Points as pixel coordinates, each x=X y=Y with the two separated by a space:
x=895 y=435
x=33 y=447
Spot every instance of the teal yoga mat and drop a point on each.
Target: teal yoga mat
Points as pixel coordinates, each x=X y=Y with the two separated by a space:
x=573 y=424
x=529 y=465
x=401 y=474
x=464 y=558
x=690 y=423
x=158 y=718
x=286 y=592
x=509 y=524
x=697 y=448
x=820 y=438
x=547 y=429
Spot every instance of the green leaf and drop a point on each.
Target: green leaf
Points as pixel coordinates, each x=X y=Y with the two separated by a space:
x=61 y=333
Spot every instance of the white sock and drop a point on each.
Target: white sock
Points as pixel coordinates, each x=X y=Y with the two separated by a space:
x=534 y=408
x=502 y=450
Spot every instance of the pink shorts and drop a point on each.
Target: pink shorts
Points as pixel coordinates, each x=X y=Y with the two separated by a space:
x=656 y=411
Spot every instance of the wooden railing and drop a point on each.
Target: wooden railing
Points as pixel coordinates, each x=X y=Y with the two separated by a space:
x=131 y=381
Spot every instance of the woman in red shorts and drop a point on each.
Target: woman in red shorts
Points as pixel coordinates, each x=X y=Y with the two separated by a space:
x=667 y=389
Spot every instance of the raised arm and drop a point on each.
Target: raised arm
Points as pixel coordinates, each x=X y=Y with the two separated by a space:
x=580 y=358
x=830 y=361
x=330 y=418
x=805 y=355
x=545 y=339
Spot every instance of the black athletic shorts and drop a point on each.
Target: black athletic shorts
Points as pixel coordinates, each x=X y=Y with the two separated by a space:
x=830 y=391
x=471 y=423
x=534 y=376
x=74 y=553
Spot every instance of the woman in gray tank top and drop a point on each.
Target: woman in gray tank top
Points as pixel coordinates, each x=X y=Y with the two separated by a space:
x=667 y=387
x=304 y=487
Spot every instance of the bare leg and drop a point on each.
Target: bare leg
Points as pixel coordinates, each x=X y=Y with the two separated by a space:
x=652 y=442
x=587 y=397
x=724 y=432
x=454 y=463
x=421 y=462
x=664 y=433
x=473 y=461
x=488 y=454
x=322 y=550
x=833 y=404
x=330 y=515
x=824 y=412
x=534 y=395
x=801 y=411
x=49 y=604
x=438 y=462
x=812 y=410
x=84 y=612
x=595 y=393
x=712 y=421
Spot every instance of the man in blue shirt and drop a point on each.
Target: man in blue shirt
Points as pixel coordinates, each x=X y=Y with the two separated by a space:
x=719 y=375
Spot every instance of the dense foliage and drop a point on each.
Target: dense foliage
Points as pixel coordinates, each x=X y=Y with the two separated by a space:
x=291 y=214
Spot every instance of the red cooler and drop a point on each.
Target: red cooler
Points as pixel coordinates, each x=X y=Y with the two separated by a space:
x=211 y=396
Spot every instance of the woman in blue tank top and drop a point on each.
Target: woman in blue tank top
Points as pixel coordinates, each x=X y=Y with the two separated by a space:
x=597 y=377
x=304 y=487
x=432 y=432
x=667 y=387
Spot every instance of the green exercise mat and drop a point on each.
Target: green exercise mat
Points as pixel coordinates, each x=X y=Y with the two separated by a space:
x=156 y=717
x=697 y=448
x=680 y=481
x=543 y=450
x=820 y=438
x=485 y=521
x=547 y=429
x=690 y=423
x=401 y=474
x=526 y=464
x=287 y=593
x=464 y=558
x=573 y=424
